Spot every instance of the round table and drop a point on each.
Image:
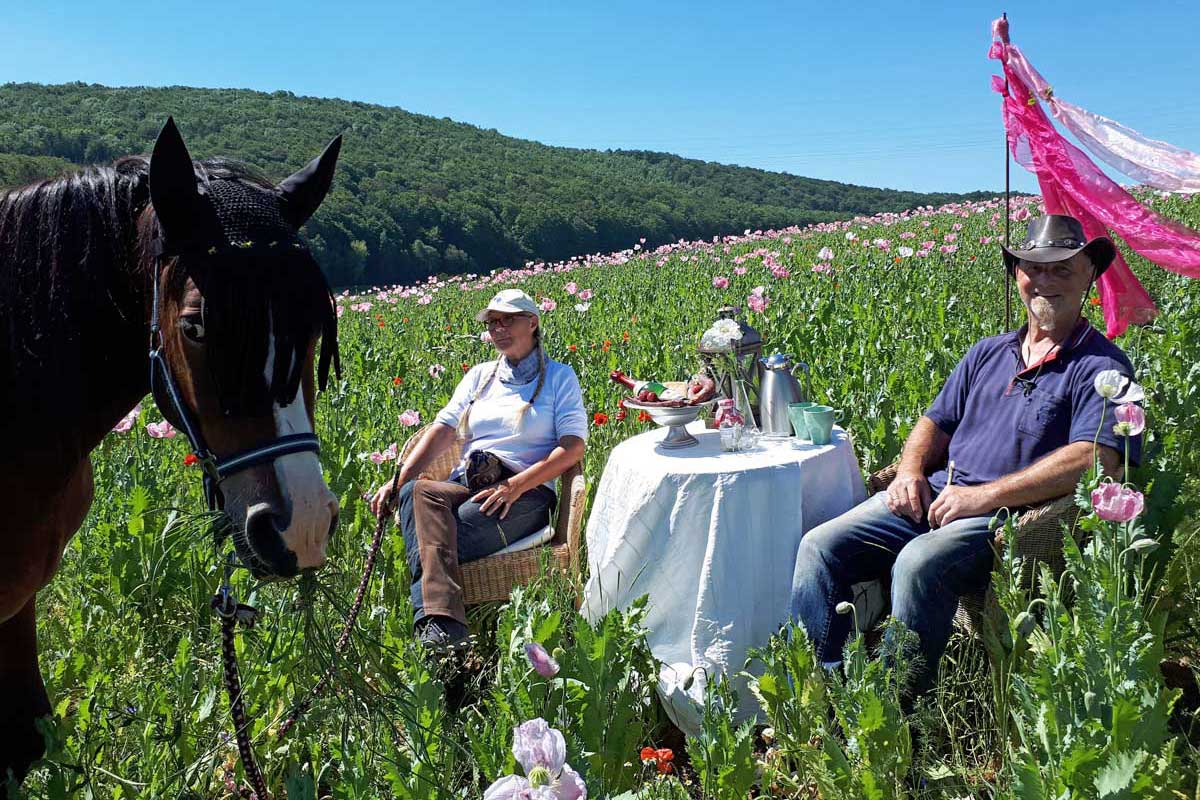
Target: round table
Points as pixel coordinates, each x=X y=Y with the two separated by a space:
x=711 y=537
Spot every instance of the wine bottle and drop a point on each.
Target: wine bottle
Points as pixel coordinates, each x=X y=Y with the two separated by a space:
x=637 y=387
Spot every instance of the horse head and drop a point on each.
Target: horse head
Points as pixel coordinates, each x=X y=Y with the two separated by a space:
x=241 y=305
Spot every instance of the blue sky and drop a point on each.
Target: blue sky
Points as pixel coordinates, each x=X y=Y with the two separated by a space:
x=889 y=94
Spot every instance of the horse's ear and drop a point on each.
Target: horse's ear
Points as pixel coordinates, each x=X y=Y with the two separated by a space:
x=304 y=190
x=172 y=181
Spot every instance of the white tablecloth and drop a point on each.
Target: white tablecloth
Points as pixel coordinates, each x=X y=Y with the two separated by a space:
x=711 y=537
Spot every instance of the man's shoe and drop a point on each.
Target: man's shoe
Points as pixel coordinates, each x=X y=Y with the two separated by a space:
x=442 y=634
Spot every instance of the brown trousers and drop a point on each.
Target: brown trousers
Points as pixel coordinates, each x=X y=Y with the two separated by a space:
x=443 y=530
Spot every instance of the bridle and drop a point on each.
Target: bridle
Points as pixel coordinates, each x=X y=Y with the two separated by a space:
x=162 y=384
x=224 y=602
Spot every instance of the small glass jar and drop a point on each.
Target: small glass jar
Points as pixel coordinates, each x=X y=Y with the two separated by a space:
x=731 y=423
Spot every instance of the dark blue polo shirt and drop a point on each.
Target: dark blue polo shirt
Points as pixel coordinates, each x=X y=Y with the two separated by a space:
x=1002 y=415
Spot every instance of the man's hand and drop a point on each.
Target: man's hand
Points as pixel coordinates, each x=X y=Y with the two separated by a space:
x=908 y=496
x=499 y=497
x=960 y=502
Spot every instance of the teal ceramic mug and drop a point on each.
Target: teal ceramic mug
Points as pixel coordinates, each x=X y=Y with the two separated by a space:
x=820 y=421
x=796 y=416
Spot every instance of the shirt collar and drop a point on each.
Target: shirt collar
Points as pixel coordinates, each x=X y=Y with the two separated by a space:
x=520 y=373
x=1081 y=331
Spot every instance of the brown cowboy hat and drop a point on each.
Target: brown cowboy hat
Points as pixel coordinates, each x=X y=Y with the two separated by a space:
x=1055 y=237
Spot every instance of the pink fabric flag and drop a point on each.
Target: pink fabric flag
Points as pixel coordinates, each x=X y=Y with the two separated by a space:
x=1072 y=184
x=1159 y=164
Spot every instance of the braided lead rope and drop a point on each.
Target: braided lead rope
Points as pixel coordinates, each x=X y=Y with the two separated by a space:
x=305 y=704
x=229 y=612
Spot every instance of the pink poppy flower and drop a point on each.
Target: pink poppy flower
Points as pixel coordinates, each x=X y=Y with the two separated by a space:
x=410 y=418
x=586 y=295
x=1117 y=503
x=1131 y=420
x=825 y=254
x=542 y=753
x=548 y=304
x=822 y=268
x=436 y=370
x=388 y=454
x=739 y=270
x=758 y=303
x=721 y=282
x=125 y=424
x=160 y=430
x=541 y=661
x=571 y=288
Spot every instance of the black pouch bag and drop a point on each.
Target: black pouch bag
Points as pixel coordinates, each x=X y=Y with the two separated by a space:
x=484 y=469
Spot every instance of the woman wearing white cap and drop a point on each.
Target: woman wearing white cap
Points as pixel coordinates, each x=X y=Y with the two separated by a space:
x=523 y=423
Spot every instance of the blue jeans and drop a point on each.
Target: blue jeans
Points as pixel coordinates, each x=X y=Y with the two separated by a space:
x=929 y=570
x=443 y=529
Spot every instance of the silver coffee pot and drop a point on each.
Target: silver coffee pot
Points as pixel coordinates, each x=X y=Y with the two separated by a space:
x=778 y=388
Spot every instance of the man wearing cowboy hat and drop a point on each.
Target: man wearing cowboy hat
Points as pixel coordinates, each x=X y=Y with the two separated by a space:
x=1017 y=419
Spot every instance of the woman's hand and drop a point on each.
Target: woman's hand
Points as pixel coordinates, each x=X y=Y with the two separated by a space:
x=499 y=497
x=383 y=500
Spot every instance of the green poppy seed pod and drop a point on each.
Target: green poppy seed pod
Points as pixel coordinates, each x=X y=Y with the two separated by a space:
x=687 y=684
x=557 y=653
x=1025 y=623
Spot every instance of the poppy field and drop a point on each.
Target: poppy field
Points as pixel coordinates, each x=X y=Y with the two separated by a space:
x=1088 y=687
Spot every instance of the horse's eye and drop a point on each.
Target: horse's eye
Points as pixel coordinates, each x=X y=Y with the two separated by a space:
x=192 y=326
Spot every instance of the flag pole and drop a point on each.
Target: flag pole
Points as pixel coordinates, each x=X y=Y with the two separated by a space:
x=1007 y=192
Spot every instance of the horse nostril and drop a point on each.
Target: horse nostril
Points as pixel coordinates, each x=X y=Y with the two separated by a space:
x=264 y=530
x=334 y=512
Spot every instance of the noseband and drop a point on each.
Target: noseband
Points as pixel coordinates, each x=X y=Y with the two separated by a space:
x=162 y=383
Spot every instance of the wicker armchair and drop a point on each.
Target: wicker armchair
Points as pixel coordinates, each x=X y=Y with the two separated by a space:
x=1039 y=541
x=493 y=577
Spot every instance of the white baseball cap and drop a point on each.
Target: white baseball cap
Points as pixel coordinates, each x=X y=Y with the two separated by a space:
x=510 y=301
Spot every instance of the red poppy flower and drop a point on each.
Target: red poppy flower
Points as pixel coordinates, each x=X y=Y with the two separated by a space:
x=397 y=381
x=1095 y=301
x=644 y=417
x=625 y=336
x=665 y=754
x=648 y=754
x=381 y=324
x=405 y=320
x=600 y=418
x=665 y=768
x=607 y=344
x=622 y=414
x=190 y=459
x=466 y=367
x=449 y=328
x=572 y=348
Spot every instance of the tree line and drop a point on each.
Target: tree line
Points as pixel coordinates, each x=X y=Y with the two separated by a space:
x=417 y=195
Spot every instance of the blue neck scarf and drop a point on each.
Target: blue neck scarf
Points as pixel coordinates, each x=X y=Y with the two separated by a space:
x=522 y=372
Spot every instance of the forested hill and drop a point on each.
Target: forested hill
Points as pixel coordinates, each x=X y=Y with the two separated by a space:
x=418 y=195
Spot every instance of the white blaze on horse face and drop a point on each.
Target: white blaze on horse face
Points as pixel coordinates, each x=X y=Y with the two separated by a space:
x=301 y=483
